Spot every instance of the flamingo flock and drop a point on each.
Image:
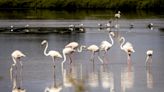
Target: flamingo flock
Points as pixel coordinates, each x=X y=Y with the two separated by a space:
x=68 y=50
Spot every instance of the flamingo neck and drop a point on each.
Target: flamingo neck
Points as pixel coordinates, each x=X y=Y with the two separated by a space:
x=14 y=60
x=45 y=49
x=64 y=56
x=121 y=46
x=80 y=49
x=111 y=39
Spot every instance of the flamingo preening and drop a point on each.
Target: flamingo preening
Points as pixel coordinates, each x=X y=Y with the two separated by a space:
x=52 y=53
x=127 y=47
x=16 y=55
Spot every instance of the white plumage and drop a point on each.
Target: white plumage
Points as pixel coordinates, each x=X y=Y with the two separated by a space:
x=51 y=53
x=149 y=52
x=72 y=45
x=105 y=45
x=127 y=47
x=93 y=48
x=117 y=15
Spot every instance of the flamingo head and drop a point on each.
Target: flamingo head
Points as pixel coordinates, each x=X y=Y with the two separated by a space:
x=112 y=34
x=122 y=38
x=43 y=42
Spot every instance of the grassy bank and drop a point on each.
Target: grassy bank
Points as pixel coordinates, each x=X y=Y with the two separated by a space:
x=83 y=4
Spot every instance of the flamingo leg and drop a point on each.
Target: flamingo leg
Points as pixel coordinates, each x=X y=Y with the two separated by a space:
x=54 y=78
x=70 y=59
x=92 y=56
x=128 y=60
x=53 y=58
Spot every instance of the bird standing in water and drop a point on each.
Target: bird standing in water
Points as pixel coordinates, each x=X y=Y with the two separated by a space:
x=149 y=54
x=52 y=53
x=127 y=47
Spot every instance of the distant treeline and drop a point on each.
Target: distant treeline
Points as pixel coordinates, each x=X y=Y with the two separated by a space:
x=83 y=4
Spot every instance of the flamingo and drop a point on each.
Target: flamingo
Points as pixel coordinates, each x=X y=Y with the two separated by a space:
x=127 y=47
x=16 y=55
x=117 y=15
x=75 y=45
x=149 y=54
x=52 y=53
x=94 y=48
x=105 y=45
x=72 y=45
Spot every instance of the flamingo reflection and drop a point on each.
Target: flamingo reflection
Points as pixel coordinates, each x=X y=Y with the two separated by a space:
x=54 y=87
x=127 y=77
x=70 y=79
x=93 y=77
x=107 y=79
x=149 y=69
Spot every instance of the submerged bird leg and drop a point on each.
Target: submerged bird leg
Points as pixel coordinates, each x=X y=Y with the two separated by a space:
x=54 y=78
x=70 y=59
x=128 y=60
x=92 y=56
x=53 y=58
x=21 y=77
x=100 y=58
x=148 y=60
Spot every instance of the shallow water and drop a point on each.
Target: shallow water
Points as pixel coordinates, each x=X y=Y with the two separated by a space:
x=116 y=76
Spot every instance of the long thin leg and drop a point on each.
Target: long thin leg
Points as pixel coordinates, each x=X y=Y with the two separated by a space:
x=21 y=75
x=70 y=59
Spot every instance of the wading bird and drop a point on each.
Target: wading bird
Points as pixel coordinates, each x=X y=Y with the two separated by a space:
x=52 y=53
x=16 y=55
x=75 y=46
x=105 y=45
x=93 y=49
x=127 y=47
x=117 y=15
x=149 y=54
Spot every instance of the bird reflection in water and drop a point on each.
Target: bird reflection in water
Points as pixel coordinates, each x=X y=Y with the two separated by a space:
x=127 y=77
x=107 y=79
x=72 y=80
x=55 y=87
x=149 y=75
x=93 y=77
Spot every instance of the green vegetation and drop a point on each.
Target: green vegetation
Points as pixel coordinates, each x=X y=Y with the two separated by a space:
x=83 y=4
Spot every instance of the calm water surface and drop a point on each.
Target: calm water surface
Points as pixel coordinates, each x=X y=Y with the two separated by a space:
x=83 y=75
